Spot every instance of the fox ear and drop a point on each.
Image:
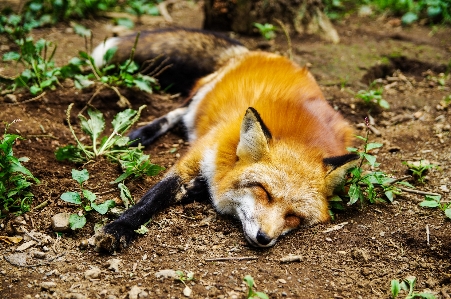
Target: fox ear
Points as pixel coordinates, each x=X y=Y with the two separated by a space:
x=336 y=169
x=254 y=137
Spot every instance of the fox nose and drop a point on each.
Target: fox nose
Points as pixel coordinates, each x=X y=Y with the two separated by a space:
x=262 y=238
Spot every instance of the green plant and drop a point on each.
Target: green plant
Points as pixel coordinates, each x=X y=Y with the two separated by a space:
x=408 y=285
x=15 y=179
x=373 y=97
x=85 y=198
x=37 y=58
x=365 y=185
x=419 y=168
x=268 y=31
x=115 y=146
x=141 y=7
x=250 y=292
x=434 y=201
x=184 y=278
x=110 y=76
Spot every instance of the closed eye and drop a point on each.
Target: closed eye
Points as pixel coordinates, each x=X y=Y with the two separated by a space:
x=293 y=221
x=260 y=191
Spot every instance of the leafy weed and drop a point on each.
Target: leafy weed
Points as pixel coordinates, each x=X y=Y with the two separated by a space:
x=85 y=198
x=373 y=97
x=250 y=291
x=408 y=285
x=115 y=146
x=268 y=31
x=419 y=169
x=434 y=201
x=15 y=179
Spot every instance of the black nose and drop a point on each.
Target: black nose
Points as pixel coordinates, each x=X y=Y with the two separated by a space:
x=262 y=238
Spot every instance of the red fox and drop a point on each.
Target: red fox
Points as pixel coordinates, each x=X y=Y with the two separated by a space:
x=265 y=146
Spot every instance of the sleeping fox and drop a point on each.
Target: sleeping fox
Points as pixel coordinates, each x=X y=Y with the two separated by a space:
x=265 y=146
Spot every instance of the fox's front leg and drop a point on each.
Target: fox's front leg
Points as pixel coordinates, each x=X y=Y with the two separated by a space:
x=119 y=233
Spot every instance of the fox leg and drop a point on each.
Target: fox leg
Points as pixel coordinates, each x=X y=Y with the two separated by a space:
x=119 y=233
x=148 y=133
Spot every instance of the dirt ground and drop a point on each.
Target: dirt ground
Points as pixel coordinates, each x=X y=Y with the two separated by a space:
x=357 y=259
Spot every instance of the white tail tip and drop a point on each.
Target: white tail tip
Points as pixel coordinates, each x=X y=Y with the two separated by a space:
x=101 y=49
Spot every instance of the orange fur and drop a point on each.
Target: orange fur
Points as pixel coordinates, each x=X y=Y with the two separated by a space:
x=304 y=128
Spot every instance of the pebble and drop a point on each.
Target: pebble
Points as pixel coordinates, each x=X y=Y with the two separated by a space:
x=10 y=98
x=166 y=273
x=26 y=245
x=281 y=280
x=39 y=254
x=75 y=296
x=444 y=188
x=113 y=264
x=187 y=291
x=48 y=285
x=291 y=258
x=136 y=292
x=60 y=222
x=360 y=255
x=83 y=244
x=92 y=273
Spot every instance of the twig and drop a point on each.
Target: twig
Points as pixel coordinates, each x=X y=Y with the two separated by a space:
x=90 y=100
x=418 y=191
x=30 y=235
x=287 y=35
x=398 y=180
x=42 y=136
x=24 y=102
x=232 y=258
x=105 y=192
x=427 y=234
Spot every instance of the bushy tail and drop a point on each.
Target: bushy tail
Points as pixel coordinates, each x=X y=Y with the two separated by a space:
x=178 y=56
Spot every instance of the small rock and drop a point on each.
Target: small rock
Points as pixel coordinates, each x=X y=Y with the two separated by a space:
x=75 y=296
x=48 y=285
x=365 y=272
x=187 y=291
x=10 y=98
x=136 y=292
x=113 y=264
x=360 y=255
x=444 y=188
x=291 y=258
x=166 y=273
x=83 y=244
x=26 y=245
x=60 y=222
x=92 y=273
x=328 y=239
x=418 y=114
x=39 y=254
x=281 y=280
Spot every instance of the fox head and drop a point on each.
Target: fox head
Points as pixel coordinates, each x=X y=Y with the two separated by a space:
x=277 y=185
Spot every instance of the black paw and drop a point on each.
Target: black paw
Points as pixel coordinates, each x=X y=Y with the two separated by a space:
x=113 y=237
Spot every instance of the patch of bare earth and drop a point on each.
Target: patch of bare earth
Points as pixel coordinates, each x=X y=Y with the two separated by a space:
x=356 y=259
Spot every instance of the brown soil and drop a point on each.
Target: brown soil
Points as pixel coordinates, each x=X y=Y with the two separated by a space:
x=376 y=243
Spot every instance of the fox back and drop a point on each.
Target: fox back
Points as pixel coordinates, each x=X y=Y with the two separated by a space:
x=265 y=146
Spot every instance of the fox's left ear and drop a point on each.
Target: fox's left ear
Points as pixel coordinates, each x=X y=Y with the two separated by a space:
x=254 y=137
x=336 y=169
